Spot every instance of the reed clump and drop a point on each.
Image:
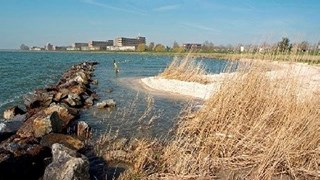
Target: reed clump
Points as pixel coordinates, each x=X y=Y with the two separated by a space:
x=185 y=69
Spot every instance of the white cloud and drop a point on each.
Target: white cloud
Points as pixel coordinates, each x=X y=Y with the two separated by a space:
x=167 y=8
x=126 y=10
x=197 y=26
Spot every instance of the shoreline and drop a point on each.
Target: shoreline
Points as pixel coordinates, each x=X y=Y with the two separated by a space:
x=293 y=58
x=306 y=76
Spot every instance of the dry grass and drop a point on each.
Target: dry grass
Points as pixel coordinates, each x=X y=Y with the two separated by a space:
x=253 y=128
x=185 y=69
x=250 y=129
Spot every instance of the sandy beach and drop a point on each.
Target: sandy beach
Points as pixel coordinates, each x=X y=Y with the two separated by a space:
x=307 y=77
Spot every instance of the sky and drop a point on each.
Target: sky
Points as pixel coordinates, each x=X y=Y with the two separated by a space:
x=222 y=22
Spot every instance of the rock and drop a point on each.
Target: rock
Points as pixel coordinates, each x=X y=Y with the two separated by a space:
x=66 y=165
x=66 y=140
x=73 y=100
x=4 y=134
x=63 y=93
x=11 y=112
x=81 y=78
x=106 y=103
x=19 y=117
x=94 y=82
x=109 y=90
x=22 y=159
x=42 y=126
x=77 y=89
x=26 y=130
x=58 y=96
x=95 y=96
x=2 y=127
x=65 y=114
x=12 y=126
x=89 y=101
x=81 y=129
x=35 y=100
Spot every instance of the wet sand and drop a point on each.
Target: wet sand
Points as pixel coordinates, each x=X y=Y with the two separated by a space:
x=137 y=84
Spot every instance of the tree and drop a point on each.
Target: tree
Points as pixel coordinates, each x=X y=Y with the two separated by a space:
x=207 y=46
x=24 y=47
x=160 y=48
x=175 y=45
x=151 y=46
x=303 y=46
x=141 y=47
x=284 y=45
x=177 y=48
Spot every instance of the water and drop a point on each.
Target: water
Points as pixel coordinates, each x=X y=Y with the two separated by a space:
x=137 y=113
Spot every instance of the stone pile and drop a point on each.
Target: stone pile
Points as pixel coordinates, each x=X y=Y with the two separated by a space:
x=25 y=150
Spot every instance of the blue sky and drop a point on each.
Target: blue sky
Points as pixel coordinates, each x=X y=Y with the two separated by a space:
x=62 y=22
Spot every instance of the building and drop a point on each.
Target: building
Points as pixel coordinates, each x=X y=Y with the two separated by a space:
x=49 y=47
x=79 y=45
x=73 y=49
x=189 y=46
x=122 y=41
x=59 y=48
x=241 y=48
x=35 y=48
x=99 y=45
x=121 y=48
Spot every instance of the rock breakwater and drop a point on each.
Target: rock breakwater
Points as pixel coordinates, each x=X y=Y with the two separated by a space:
x=50 y=117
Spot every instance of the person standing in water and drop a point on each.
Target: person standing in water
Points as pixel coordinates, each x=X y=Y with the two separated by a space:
x=115 y=66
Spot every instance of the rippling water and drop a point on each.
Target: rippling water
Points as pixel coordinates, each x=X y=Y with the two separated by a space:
x=22 y=72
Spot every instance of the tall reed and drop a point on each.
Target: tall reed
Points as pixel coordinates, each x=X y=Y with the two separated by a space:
x=252 y=128
x=185 y=69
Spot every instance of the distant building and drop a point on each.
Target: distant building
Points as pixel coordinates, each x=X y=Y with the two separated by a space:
x=99 y=45
x=121 y=48
x=189 y=46
x=60 y=48
x=49 y=47
x=73 y=49
x=122 y=41
x=35 y=48
x=79 y=45
x=241 y=48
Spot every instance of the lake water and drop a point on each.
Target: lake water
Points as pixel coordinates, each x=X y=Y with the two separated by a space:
x=137 y=114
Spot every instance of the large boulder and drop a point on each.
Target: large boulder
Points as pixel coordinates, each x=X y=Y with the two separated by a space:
x=9 y=128
x=77 y=89
x=22 y=159
x=41 y=124
x=61 y=94
x=67 y=164
x=65 y=113
x=73 y=100
x=66 y=140
x=11 y=112
x=89 y=101
x=26 y=130
x=81 y=129
x=38 y=99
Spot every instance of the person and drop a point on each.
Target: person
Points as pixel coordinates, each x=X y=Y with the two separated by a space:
x=115 y=66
